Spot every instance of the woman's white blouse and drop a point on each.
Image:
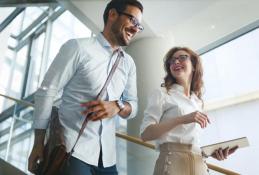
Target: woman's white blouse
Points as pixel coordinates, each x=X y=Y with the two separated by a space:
x=163 y=106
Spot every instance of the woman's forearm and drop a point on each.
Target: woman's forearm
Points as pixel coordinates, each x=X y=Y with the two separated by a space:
x=154 y=131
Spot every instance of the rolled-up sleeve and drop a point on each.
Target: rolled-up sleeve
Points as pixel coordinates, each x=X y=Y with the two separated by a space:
x=154 y=110
x=130 y=92
x=59 y=73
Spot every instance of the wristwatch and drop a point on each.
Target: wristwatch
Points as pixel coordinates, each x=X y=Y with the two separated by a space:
x=120 y=104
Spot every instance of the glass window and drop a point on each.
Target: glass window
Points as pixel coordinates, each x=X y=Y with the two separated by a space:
x=35 y=65
x=5 y=12
x=232 y=68
x=64 y=28
x=5 y=74
x=31 y=14
x=21 y=58
x=17 y=81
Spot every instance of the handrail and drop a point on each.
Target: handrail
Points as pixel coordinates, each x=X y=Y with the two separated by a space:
x=151 y=146
x=135 y=140
x=26 y=103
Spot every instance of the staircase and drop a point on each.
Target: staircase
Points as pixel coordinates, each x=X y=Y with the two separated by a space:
x=8 y=169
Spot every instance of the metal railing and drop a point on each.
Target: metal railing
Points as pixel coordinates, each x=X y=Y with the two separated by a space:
x=119 y=135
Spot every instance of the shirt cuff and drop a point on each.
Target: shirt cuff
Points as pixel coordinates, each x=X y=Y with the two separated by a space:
x=134 y=109
x=40 y=124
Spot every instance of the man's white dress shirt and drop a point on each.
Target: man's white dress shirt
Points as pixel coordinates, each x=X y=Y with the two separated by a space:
x=80 y=70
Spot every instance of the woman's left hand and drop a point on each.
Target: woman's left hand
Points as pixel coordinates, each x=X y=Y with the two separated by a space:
x=221 y=154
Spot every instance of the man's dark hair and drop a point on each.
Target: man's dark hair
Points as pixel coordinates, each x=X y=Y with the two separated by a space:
x=120 y=5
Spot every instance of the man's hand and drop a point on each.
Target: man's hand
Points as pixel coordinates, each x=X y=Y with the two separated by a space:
x=98 y=109
x=197 y=117
x=36 y=156
x=221 y=154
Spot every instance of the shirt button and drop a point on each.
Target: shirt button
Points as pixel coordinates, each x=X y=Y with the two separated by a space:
x=169 y=153
x=169 y=162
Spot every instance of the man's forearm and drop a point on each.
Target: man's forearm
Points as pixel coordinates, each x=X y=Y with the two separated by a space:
x=39 y=136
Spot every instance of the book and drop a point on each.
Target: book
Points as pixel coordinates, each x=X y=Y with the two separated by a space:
x=240 y=142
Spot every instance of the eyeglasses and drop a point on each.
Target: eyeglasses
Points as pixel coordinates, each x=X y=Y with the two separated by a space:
x=181 y=59
x=133 y=21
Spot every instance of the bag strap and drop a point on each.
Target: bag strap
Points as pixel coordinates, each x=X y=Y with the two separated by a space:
x=101 y=93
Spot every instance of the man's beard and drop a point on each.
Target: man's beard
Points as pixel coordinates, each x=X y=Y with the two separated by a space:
x=118 y=35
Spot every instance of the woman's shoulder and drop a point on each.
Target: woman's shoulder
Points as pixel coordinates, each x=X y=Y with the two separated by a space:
x=159 y=91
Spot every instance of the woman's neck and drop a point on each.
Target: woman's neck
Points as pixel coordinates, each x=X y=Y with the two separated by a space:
x=187 y=87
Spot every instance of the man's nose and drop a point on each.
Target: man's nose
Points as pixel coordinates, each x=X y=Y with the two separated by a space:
x=134 y=29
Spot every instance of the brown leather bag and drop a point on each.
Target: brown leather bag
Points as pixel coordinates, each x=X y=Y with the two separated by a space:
x=55 y=153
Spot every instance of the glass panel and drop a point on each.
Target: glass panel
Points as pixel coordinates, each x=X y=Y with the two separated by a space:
x=64 y=28
x=5 y=12
x=17 y=81
x=16 y=24
x=232 y=70
x=31 y=14
x=21 y=141
x=5 y=74
x=21 y=58
x=231 y=64
x=35 y=65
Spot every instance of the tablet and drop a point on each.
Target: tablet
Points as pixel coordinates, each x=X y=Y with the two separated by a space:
x=240 y=142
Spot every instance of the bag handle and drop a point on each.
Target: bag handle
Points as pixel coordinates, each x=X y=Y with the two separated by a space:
x=101 y=93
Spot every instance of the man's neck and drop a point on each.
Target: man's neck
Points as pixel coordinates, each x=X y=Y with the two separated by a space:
x=109 y=38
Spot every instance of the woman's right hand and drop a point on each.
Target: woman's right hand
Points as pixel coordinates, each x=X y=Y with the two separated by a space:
x=197 y=117
x=35 y=157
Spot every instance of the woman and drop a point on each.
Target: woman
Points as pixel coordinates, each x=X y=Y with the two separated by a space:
x=174 y=116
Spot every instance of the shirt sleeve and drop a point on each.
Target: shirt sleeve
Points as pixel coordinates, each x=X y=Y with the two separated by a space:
x=154 y=110
x=59 y=73
x=130 y=92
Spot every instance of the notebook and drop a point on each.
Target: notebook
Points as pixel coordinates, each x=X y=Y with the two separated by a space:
x=240 y=142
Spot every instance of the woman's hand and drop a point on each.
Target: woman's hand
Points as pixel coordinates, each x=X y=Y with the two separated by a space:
x=197 y=117
x=221 y=154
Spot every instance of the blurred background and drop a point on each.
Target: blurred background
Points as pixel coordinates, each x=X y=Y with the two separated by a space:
x=224 y=33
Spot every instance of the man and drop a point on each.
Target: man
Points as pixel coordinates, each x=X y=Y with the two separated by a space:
x=80 y=70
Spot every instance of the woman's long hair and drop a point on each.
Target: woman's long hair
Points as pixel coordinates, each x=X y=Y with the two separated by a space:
x=196 y=83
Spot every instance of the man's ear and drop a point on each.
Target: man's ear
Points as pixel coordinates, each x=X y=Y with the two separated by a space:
x=113 y=15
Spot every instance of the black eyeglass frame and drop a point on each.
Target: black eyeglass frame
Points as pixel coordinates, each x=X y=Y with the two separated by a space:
x=180 y=58
x=133 y=20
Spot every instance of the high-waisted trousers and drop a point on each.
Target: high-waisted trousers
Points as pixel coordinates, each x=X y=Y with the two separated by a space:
x=180 y=159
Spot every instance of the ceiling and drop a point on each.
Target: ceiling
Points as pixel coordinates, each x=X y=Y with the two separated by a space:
x=195 y=23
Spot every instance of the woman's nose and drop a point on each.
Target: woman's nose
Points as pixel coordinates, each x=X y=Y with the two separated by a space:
x=176 y=61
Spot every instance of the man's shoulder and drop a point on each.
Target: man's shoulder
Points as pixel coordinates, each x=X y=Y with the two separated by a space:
x=129 y=58
x=80 y=44
x=84 y=41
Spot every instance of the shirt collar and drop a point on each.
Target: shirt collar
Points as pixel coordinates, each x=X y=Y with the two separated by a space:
x=180 y=89
x=103 y=41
